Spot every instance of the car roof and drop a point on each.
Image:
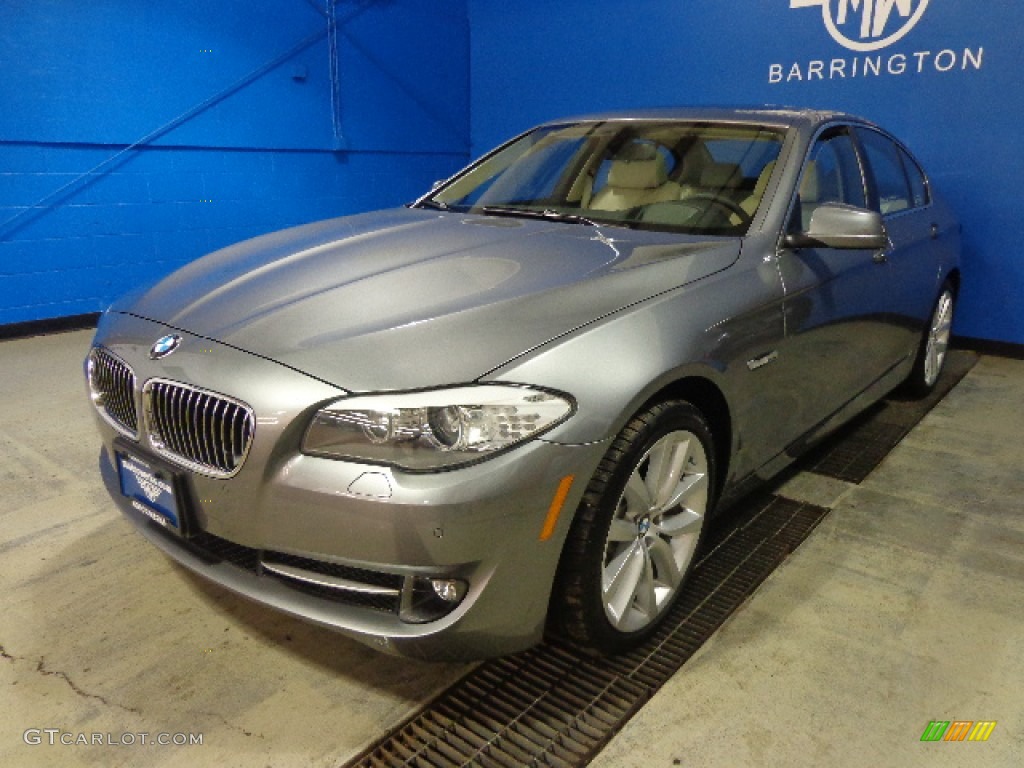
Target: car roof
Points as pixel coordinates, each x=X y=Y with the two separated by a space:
x=776 y=116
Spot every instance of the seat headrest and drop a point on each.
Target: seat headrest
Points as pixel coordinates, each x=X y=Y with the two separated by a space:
x=637 y=174
x=690 y=166
x=762 y=180
x=721 y=176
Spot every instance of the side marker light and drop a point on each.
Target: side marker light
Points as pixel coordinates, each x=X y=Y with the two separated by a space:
x=551 y=521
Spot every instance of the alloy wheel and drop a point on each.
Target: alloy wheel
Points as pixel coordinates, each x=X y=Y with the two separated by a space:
x=654 y=531
x=938 y=338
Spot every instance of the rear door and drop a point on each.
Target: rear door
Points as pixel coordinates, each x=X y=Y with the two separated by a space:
x=897 y=188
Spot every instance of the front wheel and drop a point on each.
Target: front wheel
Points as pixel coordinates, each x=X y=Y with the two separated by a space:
x=931 y=355
x=637 y=529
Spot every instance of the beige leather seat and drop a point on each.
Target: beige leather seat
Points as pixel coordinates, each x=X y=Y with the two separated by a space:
x=723 y=181
x=721 y=178
x=633 y=183
x=750 y=204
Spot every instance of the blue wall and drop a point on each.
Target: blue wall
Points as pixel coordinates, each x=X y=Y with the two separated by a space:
x=206 y=121
x=950 y=86
x=137 y=136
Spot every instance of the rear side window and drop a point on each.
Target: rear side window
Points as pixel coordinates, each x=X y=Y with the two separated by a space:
x=891 y=184
x=918 y=185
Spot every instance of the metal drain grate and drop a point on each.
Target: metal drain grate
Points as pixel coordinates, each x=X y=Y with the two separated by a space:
x=552 y=706
x=861 y=450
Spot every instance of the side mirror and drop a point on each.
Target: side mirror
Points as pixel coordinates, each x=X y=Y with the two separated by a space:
x=834 y=225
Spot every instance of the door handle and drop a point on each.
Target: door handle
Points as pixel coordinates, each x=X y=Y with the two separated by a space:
x=762 y=360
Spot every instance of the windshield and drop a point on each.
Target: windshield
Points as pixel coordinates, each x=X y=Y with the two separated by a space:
x=699 y=178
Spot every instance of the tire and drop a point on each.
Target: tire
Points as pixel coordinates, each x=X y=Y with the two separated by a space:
x=633 y=540
x=931 y=354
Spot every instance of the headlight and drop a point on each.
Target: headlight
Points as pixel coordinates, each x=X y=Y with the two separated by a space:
x=433 y=430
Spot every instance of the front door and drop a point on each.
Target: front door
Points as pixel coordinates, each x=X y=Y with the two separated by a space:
x=839 y=337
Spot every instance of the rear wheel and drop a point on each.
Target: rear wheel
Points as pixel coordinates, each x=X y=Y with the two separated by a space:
x=637 y=529
x=931 y=355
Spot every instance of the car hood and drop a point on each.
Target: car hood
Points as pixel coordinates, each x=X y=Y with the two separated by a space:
x=411 y=298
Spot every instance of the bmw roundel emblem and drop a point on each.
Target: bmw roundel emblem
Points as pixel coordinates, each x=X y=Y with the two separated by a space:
x=164 y=346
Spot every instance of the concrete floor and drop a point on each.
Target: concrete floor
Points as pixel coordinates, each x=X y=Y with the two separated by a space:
x=100 y=633
x=906 y=605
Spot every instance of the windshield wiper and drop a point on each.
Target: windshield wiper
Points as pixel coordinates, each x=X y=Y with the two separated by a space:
x=437 y=205
x=529 y=213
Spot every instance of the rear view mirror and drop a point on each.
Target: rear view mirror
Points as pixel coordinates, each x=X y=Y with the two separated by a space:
x=834 y=225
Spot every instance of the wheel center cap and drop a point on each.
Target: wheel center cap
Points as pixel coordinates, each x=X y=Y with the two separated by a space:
x=643 y=525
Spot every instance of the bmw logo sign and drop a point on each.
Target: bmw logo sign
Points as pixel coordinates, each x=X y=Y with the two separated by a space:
x=164 y=346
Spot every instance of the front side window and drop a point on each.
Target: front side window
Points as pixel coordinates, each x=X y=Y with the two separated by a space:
x=832 y=174
x=701 y=178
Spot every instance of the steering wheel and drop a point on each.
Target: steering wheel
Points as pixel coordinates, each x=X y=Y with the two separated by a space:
x=723 y=202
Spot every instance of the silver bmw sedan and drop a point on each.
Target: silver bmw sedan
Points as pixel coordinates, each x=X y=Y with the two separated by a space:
x=512 y=406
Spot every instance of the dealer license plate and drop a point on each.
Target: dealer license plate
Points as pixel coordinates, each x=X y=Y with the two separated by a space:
x=151 y=491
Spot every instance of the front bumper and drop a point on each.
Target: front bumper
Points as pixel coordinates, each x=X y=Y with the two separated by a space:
x=353 y=534
x=480 y=525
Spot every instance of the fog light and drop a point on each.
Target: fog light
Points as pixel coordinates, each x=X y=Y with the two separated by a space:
x=425 y=599
x=449 y=590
